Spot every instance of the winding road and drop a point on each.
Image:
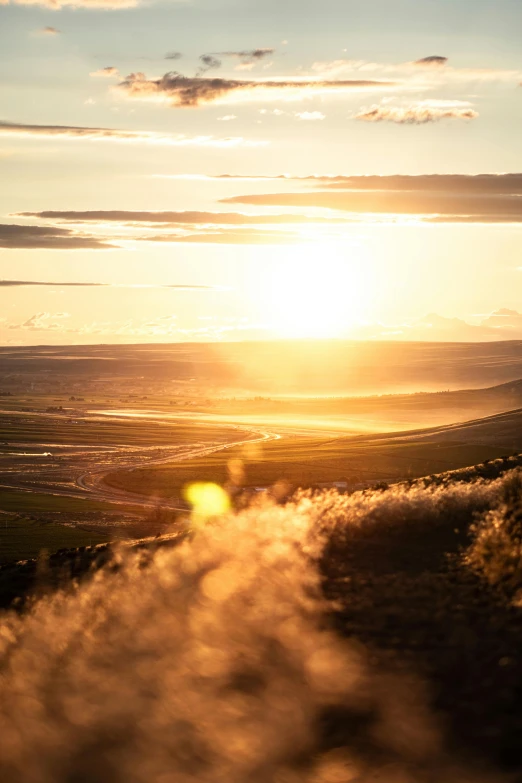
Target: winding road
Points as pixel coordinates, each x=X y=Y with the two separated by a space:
x=92 y=482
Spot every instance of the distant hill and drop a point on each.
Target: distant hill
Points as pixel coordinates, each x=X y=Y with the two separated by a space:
x=303 y=367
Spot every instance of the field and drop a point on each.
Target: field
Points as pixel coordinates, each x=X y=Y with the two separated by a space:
x=358 y=461
x=22 y=538
x=296 y=367
x=108 y=437
x=412 y=668
x=51 y=456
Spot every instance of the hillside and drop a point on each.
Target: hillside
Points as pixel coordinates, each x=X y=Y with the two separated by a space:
x=360 y=460
x=415 y=667
x=299 y=367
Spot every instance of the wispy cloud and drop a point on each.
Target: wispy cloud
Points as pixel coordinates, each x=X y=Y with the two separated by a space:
x=173 y=56
x=429 y=72
x=106 y=72
x=46 y=31
x=229 y=237
x=48 y=238
x=94 y=5
x=419 y=113
x=116 y=135
x=249 y=55
x=432 y=61
x=21 y=283
x=40 y=322
x=171 y=218
x=186 y=91
x=487 y=198
x=38 y=283
x=239 y=177
x=208 y=63
x=310 y=115
x=481 y=184
x=247 y=59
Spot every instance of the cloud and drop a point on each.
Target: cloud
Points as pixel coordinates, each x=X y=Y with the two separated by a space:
x=239 y=177
x=107 y=72
x=487 y=198
x=431 y=72
x=436 y=198
x=172 y=218
x=47 y=238
x=434 y=60
x=249 y=54
x=186 y=91
x=275 y=112
x=94 y=5
x=418 y=113
x=208 y=63
x=173 y=56
x=41 y=322
x=229 y=237
x=21 y=283
x=116 y=135
x=310 y=115
x=248 y=58
x=227 y=118
x=481 y=184
x=47 y=31
x=179 y=287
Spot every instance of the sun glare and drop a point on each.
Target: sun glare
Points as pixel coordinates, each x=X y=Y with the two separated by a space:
x=317 y=290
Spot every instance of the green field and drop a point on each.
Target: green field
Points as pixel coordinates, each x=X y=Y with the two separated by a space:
x=67 y=429
x=27 y=502
x=307 y=461
x=27 y=538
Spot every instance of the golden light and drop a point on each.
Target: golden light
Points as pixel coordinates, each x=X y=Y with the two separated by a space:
x=318 y=289
x=207 y=500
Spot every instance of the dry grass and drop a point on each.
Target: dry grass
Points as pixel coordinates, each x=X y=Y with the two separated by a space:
x=497 y=547
x=213 y=662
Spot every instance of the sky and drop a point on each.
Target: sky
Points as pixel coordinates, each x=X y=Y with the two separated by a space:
x=180 y=170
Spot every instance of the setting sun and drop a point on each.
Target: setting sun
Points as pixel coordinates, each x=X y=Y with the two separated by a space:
x=316 y=290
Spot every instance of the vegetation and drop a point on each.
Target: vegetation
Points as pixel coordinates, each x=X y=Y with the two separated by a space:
x=214 y=659
x=496 y=550
x=27 y=502
x=304 y=462
x=70 y=429
x=27 y=538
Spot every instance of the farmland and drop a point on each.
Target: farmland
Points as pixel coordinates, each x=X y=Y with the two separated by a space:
x=95 y=484
x=106 y=438
x=356 y=460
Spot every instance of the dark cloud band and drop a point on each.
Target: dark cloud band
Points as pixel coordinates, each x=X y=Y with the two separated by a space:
x=172 y=218
x=39 y=283
x=14 y=236
x=186 y=91
x=442 y=198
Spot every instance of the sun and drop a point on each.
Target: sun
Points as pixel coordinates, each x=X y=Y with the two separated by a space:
x=316 y=290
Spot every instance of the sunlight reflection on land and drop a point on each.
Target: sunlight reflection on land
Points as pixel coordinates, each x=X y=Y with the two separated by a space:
x=302 y=425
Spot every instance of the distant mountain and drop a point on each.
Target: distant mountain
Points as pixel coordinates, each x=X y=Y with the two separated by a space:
x=503 y=324
x=505 y=320
x=437 y=327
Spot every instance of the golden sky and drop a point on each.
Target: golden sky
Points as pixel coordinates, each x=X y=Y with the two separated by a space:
x=236 y=169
